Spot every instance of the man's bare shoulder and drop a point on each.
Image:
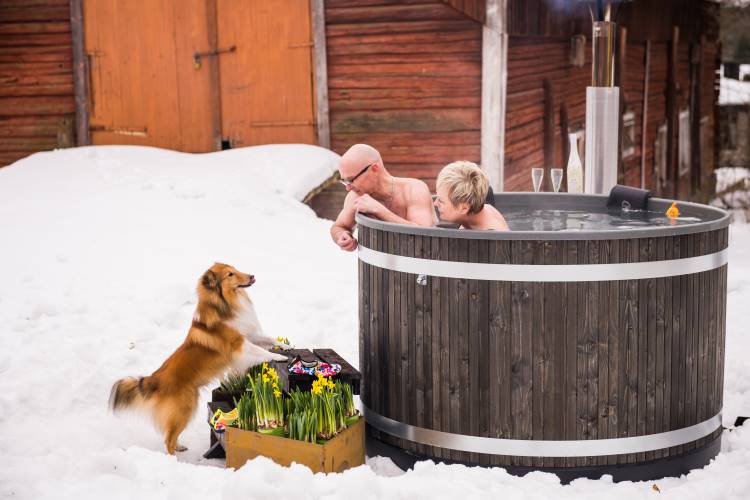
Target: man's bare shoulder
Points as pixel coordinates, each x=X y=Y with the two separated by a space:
x=350 y=197
x=417 y=189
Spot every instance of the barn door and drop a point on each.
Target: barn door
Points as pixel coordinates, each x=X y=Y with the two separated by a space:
x=193 y=75
x=144 y=87
x=266 y=83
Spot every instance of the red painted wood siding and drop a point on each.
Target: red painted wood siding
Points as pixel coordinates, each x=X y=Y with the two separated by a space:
x=531 y=60
x=405 y=78
x=37 y=107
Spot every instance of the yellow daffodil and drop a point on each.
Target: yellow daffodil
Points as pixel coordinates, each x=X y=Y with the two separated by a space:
x=277 y=393
x=265 y=378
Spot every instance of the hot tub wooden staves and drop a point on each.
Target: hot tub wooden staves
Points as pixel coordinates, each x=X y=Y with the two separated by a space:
x=586 y=363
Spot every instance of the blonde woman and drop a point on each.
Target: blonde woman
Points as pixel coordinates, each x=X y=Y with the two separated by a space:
x=461 y=192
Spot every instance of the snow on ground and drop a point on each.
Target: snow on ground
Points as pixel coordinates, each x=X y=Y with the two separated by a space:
x=100 y=251
x=733 y=91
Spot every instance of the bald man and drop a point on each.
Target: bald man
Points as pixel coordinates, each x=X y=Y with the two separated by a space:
x=375 y=192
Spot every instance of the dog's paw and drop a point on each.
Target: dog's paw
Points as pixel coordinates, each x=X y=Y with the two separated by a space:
x=180 y=448
x=282 y=344
x=278 y=357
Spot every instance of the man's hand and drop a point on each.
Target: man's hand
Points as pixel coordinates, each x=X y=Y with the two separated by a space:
x=366 y=204
x=346 y=241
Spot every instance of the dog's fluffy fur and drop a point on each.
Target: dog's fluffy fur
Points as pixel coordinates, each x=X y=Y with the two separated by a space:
x=225 y=334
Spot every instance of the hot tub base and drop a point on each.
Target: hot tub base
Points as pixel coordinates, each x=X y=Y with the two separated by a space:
x=642 y=471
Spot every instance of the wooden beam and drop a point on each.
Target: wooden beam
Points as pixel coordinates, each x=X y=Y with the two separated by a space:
x=622 y=57
x=644 y=121
x=672 y=173
x=214 y=77
x=696 y=69
x=320 y=72
x=564 y=141
x=494 y=80
x=549 y=128
x=80 y=74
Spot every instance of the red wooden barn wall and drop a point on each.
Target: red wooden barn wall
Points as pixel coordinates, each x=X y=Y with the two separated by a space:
x=405 y=78
x=37 y=107
x=539 y=49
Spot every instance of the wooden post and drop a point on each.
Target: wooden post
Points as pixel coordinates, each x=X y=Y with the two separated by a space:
x=622 y=45
x=672 y=111
x=644 y=121
x=494 y=79
x=696 y=67
x=80 y=74
x=564 y=142
x=549 y=128
x=320 y=72
x=214 y=78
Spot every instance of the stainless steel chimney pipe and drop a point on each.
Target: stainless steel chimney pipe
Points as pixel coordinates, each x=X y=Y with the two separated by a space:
x=602 y=111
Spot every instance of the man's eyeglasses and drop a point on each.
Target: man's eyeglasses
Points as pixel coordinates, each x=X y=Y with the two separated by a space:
x=349 y=182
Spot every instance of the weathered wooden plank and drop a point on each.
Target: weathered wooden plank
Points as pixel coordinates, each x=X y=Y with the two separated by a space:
x=473 y=403
x=500 y=349
x=454 y=351
x=408 y=336
x=420 y=350
x=703 y=335
x=659 y=347
x=691 y=351
x=436 y=345
x=445 y=120
x=570 y=316
x=714 y=326
x=375 y=383
x=375 y=28
x=651 y=349
x=384 y=13
x=485 y=361
x=721 y=348
x=633 y=347
x=394 y=337
x=446 y=329
x=364 y=318
x=591 y=332
x=521 y=348
x=555 y=429
x=550 y=361
x=23 y=14
x=603 y=297
x=41 y=105
x=613 y=334
x=463 y=343
x=668 y=296
x=538 y=354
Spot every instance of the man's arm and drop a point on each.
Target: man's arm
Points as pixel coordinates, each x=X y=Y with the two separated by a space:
x=420 y=209
x=341 y=231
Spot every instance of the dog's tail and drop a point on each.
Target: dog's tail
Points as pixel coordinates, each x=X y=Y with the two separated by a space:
x=132 y=392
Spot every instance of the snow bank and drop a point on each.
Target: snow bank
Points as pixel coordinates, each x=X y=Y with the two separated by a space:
x=101 y=250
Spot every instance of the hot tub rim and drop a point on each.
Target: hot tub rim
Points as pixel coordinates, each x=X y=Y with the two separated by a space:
x=567 y=200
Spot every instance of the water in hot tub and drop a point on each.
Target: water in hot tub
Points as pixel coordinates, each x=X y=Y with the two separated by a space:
x=585 y=220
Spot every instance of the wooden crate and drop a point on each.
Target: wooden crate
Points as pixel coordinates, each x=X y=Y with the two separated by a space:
x=340 y=453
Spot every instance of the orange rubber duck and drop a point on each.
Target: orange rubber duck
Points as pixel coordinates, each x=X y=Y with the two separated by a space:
x=673 y=212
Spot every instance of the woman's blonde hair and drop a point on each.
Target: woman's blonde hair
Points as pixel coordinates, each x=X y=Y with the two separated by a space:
x=466 y=183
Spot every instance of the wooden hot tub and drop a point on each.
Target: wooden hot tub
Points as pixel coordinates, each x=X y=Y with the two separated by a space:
x=582 y=351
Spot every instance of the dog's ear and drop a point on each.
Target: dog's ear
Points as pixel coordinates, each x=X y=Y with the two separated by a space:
x=210 y=280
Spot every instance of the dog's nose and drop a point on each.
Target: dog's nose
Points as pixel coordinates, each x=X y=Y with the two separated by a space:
x=252 y=277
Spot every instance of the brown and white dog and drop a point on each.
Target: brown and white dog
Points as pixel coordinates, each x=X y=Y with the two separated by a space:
x=225 y=334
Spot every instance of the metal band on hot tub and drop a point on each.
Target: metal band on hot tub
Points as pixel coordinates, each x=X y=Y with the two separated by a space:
x=544 y=273
x=537 y=448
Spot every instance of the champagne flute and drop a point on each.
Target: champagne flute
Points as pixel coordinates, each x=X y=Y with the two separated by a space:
x=557 y=175
x=537 y=174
